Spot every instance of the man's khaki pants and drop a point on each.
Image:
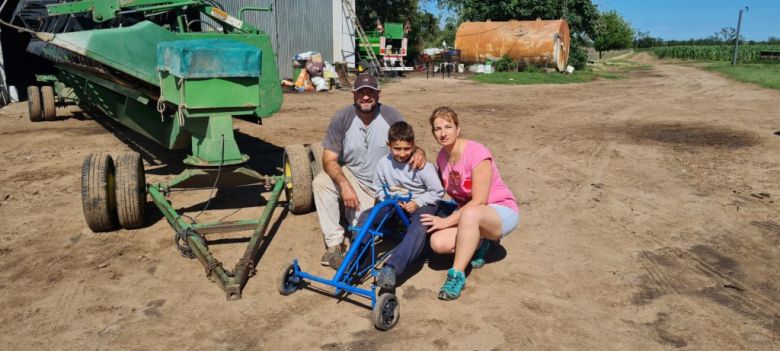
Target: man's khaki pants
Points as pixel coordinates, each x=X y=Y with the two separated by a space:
x=327 y=198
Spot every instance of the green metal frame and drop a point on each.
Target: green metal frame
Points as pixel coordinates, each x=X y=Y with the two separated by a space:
x=393 y=32
x=106 y=10
x=135 y=99
x=232 y=282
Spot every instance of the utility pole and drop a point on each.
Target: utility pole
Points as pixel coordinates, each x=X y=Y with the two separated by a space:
x=736 y=40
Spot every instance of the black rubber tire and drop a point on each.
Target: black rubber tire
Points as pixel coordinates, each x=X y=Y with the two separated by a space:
x=34 y=105
x=297 y=166
x=287 y=283
x=49 y=103
x=97 y=192
x=130 y=190
x=386 y=312
x=315 y=158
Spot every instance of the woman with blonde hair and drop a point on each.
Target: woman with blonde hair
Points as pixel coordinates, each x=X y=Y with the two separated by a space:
x=487 y=210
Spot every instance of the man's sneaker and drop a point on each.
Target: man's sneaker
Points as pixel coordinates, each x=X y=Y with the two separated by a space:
x=331 y=252
x=335 y=261
x=478 y=260
x=452 y=287
x=386 y=277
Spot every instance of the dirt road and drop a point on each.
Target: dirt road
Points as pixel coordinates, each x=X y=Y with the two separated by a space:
x=650 y=220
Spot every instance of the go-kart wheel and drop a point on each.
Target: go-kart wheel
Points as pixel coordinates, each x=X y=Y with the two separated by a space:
x=130 y=190
x=386 y=312
x=297 y=170
x=97 y=192
x=49 y=103
x=288 y=283
x=34 y=104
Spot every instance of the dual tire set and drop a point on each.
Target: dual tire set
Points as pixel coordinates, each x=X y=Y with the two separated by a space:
x=41 y=103
x=113 y=193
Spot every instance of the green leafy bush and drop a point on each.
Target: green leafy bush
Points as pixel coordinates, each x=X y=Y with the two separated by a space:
x=578 y=56
x=532 y=69
x=505 y=64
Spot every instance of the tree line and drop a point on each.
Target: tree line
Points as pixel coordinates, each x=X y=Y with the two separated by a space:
x=725 y=36
x=589 y=27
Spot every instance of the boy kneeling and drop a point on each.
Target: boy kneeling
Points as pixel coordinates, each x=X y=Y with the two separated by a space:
x=395 y=171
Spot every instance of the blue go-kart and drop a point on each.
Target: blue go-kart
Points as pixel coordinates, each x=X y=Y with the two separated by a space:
x=360 y=260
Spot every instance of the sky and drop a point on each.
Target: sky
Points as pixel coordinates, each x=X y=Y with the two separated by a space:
x=690 y=19
x=693 y=19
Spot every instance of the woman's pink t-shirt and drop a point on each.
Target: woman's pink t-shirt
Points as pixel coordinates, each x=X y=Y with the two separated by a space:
x=456 y=178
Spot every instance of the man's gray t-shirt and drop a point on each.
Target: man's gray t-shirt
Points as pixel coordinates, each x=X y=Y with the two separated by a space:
x=359 y=146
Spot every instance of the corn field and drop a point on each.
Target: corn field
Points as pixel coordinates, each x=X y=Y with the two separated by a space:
x=747 y=53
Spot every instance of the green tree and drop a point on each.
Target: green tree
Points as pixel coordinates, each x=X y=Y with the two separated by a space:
x=445 y=34
x=371 y=11
x=728 y=35
x=643 y=40
x=425 y=30
x=582 y=16
x=612 y=33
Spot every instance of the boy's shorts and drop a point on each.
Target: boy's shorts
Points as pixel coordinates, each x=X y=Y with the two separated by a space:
x=509 y=218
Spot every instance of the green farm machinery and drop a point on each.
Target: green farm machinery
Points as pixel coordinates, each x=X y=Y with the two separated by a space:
x=389 y=44
x=150 y=66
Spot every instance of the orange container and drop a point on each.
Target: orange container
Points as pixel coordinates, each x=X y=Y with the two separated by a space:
x=540 y=43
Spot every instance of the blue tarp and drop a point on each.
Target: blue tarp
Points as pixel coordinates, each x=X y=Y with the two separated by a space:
x=208 y=58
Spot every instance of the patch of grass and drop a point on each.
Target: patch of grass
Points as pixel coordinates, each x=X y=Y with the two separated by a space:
x=620 y=63
x=610 y=76
x=612 y=69
x=533 y=78
x=764 y=74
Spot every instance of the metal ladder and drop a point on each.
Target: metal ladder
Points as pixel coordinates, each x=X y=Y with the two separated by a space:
x=374 y=63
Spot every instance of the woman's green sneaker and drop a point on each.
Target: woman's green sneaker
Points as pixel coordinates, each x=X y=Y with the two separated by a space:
x=482 y=251
x=452 y=287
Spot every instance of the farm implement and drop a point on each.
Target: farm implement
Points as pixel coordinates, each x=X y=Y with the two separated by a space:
x=388 y=43
x=148 y=65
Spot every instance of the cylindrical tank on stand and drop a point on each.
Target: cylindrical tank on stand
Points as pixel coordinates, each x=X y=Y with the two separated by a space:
x=543 y=43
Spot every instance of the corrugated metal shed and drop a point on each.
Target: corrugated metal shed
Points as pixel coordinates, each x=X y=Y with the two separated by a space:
x=5 y=97
x=297 y=26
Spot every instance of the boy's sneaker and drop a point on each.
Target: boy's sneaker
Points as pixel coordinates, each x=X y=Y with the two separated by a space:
x=333 y=255
x=452 y=287
x=482 y=251
x=386 y=277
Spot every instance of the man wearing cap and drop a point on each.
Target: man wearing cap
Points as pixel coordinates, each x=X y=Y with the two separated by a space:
x=355 y=140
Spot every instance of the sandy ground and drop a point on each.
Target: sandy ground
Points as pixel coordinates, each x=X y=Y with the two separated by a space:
x=649 y=221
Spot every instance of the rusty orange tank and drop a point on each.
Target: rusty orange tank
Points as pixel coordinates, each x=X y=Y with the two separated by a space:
x=543 y=43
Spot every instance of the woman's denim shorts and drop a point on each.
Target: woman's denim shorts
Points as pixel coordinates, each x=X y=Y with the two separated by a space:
x=509 y=218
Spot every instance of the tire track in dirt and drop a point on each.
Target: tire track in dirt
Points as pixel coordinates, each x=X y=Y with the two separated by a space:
x=755 y=300
x=64 y=309
x=674 y=271
x=659 y=283
x=118 y=246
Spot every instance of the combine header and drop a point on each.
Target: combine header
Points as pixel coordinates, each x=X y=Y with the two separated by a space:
x=147 y=65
